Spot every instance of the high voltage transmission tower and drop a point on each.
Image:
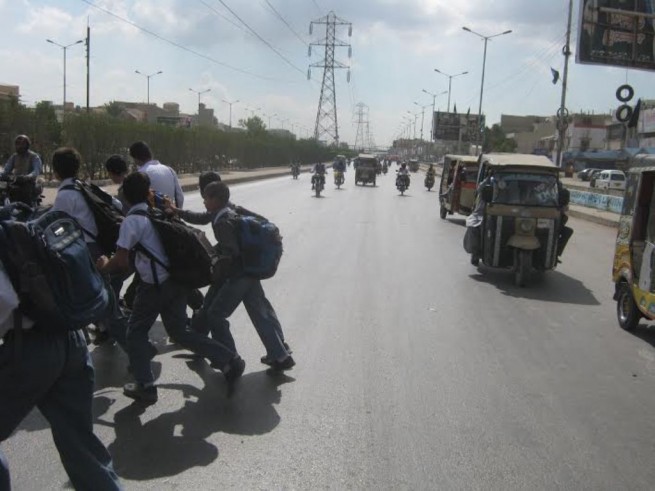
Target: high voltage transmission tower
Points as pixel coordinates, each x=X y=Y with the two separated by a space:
x=361 y=119
x=326 y=116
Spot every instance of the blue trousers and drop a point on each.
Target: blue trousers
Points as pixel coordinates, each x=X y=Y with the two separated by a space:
x=53 y=372
x=168 y=300
x=221 y=301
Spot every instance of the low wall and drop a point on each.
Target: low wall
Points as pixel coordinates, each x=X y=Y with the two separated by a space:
x=602 y=202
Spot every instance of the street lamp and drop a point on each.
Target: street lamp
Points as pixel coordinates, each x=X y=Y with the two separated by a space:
x=270 y=116
x=422 y=115
x=64 y=48
x=148 y=77
x=434 y=96
x=484 y=61
x=230 y=104
x=199 y=92
x=450 y=80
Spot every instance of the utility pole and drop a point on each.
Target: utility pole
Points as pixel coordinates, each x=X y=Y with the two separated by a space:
x=88 y=65
x=562 y=113
x=326 y=116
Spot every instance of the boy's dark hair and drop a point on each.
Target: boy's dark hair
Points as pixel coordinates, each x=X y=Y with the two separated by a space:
x=207 y=178
x=136 y=188
x=140 y=151
x=217 y=190
x=66 y=162
x=116 y=165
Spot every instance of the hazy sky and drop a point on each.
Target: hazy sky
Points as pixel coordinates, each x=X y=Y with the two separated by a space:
x=396 y=44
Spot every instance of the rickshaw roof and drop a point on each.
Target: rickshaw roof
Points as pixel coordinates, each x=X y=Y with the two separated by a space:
x=467 y=159
x=366 y=156
x=519 y=160
x=642 y=163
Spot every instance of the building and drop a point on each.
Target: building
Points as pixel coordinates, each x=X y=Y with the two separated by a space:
x=9 y=91
x=528 y=132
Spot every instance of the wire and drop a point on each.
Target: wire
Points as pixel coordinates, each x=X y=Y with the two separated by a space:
x=318 y=7
x=261 y=38
x=184 y=48
x=223 y=16
x=279 y=16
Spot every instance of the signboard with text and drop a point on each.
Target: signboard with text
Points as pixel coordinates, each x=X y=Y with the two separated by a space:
x=617 y=33
x=456 y=127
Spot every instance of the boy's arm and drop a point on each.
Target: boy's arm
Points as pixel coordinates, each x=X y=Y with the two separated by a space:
x=195 y=217
x=119 y=262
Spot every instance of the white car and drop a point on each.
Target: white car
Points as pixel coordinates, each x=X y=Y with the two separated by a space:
x=611 y=179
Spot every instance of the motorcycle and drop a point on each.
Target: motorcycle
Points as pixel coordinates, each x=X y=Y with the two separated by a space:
x=295 y=171
x=318 y=183
x=402 y=183
x=23 y=189
x=429 y=181
x=338 y=178
x=385 y=169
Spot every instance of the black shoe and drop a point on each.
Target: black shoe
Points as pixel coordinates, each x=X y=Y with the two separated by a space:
x=234 y=371
x=140 y=393
x=267 y=361
x=279 y=366
x=101 y=337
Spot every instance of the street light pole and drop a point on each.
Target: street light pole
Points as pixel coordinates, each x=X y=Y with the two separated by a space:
x=434 y=96
x=484 y=61
x=64 y=48
x=422 y=115
x=199 y=92
x=148 y=77
x=450 y=80
x=230 y=104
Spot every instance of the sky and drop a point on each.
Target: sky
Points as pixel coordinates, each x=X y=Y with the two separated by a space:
x=256 y=52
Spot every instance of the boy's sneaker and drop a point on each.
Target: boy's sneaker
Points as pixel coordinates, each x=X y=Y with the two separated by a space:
x=279 y=366
x=233 y=372
x=140 y=393
x=266 y=360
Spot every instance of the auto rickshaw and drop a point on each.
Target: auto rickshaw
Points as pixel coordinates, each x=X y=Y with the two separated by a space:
x=366 y=169
x=633 y=271
x=458 y=183
x=518 y=215
x=413 y=165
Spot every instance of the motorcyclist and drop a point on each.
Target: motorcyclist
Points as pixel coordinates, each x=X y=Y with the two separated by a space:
x=403 y=173
x=24 y=162
x=319 y=174
x=295 y=168
x=339 y=165
x=430 y=172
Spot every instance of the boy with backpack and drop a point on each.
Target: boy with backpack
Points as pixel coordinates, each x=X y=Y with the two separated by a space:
x=237 y=286
x=73 y=198
x=157 y=294
x=44 y=361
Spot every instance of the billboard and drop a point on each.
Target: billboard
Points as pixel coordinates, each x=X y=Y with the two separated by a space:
x=456 y=127
x=617 y=33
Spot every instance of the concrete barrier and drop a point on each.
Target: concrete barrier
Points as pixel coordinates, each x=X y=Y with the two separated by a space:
x=598 y=201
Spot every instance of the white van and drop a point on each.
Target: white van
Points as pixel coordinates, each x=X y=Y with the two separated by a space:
x=611 y=179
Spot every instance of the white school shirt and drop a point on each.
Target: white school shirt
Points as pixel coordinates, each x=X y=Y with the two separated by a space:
x=164 y=180
x=72 y=202
x=8 y=303
x=137 y=229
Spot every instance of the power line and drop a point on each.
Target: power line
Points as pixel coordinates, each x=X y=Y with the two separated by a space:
x=279 y=16
x=182 y=47
x=223 y=16
x=317 y=6
x=261 y=38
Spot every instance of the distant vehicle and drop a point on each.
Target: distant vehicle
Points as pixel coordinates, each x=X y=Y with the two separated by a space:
x=413 y=165
x=366 y=169
x=611 y=179
x=593 y=175
x=585 y=174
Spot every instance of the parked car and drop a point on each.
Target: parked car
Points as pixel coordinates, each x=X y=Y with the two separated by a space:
x=611 y=179
x=585 y=174
x=593 y=175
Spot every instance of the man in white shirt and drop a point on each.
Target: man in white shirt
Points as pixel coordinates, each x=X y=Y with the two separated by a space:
x=163 y=179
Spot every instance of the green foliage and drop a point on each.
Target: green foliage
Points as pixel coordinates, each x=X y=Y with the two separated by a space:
x=495 y=140
x=114 y=109
x=187 y=150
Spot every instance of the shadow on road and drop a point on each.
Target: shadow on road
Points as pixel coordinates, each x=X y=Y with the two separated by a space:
x=645 y=332
x=176 y=441
x=455 y=221
x=552 y=286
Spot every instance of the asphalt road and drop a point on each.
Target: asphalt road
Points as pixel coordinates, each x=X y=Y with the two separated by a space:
x=415 y=370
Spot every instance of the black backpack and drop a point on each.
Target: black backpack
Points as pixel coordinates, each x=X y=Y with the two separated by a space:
x=51 y=269
x=193 y=262
x=260 y=244
x=108 y=218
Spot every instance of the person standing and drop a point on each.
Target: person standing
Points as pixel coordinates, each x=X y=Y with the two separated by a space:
x=163 y=179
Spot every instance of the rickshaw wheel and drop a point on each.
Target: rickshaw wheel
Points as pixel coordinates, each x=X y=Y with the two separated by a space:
x=522 y=267
x=443 y=212
x=627 y=312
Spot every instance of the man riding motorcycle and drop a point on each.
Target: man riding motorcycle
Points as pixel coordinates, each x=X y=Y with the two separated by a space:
x=295 y=169
x=21 y=173
x=403 y=174
x=429 y=177
x=339 y=168
x=319 y=175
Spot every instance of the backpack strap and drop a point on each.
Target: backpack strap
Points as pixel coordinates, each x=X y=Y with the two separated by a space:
x=76 y=187
x=146 y=252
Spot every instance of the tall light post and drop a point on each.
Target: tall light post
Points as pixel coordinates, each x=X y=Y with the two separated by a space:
x=230 y=104
x=434 y=96
x=148 y=77
x=199 y=92
x=64 y=48
x=270 y=116
x=450 y=80
x=422 y=115
x=484 y=61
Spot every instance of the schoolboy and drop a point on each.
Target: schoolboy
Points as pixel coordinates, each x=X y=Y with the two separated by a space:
x=156 y=295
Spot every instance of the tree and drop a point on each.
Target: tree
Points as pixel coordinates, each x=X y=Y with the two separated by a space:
x=254 y=126
x=114 y=109
x=495 y=140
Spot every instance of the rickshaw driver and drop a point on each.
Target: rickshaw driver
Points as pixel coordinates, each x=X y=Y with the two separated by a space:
x=472 y=237
x=565 y=232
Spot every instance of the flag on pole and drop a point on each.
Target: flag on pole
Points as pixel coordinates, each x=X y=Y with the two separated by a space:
x=555 y=75
x=455 y=108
